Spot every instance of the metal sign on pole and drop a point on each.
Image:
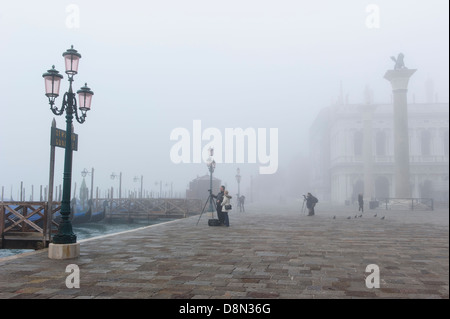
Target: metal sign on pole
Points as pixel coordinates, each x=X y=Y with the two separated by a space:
x=58 y=138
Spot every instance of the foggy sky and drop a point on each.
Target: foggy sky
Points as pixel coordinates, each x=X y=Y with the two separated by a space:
x=159 y=65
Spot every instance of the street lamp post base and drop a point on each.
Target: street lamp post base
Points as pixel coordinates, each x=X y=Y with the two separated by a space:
x=64 y=239
x=63 y=251
x=65 y=234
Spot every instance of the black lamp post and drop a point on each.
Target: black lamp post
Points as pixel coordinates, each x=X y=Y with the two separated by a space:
x=211 y=164
x=84 y=173
x=136 y=179
x=114 y=176
x=238 y=179
x=52 y=79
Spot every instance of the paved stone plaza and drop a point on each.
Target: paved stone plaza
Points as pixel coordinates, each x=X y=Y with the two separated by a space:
x=270 y=253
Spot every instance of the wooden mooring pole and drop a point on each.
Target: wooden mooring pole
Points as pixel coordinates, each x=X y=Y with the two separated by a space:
x=51 y=179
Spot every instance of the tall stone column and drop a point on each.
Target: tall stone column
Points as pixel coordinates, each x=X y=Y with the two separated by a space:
x=399 y=79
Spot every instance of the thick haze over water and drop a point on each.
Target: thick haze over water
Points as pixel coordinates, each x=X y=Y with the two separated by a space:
x=156 y=66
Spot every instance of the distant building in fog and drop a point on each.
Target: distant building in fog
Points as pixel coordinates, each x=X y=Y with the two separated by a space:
x=198 y=188
x=336 y=150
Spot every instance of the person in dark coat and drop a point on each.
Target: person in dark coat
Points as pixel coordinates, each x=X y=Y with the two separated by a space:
x=311 y=201
x=361 y=203
x=219 y=200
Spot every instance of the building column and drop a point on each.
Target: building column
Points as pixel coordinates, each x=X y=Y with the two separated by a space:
x=367 y=111
x=399 y=81
x=416 y=186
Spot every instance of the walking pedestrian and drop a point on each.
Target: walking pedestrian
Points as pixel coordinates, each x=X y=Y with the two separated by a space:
x=361 y=203
x=311 y=201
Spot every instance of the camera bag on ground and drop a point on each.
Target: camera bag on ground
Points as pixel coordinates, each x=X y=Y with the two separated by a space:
x=213 y=222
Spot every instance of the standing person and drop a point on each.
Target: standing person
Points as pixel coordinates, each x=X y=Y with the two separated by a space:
x=241 y=201
x=226 y=207
x=219 y=199
x=361 y=203
x=311 y=201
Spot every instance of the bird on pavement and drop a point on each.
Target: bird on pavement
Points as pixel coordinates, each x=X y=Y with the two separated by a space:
x=375 y=215
x=334 y=217
x=383 y=217
x=349 y=217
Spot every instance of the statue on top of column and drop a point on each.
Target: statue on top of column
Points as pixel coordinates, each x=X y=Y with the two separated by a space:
x=399 y=64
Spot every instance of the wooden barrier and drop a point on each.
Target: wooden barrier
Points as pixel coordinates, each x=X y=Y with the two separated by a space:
x=152 y=207
x=27 y=224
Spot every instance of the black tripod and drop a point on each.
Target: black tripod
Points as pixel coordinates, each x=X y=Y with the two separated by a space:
x=210 y=198
x=303 y=206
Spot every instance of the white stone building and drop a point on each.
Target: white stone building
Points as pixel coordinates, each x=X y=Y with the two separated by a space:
x=337 y=152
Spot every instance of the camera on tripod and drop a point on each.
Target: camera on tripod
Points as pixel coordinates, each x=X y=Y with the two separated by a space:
x=213 y=206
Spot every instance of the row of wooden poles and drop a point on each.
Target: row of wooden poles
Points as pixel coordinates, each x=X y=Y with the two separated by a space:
x=21 y=194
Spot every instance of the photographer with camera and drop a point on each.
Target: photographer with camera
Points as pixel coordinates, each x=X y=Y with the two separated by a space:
x=311 y=201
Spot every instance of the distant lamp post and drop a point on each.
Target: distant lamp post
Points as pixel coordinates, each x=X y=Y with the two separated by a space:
x=238 y=179
x=52 y=80
x=114 y=176
x=211 y=164
x=136 y=179
x=84 y=173
x=160 y=187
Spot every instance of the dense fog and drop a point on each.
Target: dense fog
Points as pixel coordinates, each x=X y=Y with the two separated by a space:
x=267 y=84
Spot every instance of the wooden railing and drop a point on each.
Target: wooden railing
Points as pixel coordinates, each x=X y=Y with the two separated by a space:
x=166 y=206
x=27 y=221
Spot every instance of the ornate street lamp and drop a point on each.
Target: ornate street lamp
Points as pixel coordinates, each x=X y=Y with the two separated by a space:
x=136 y=179
x=238 y=179
x=84 y=173
x=211 y=164
x=114 y=176
x=52 y=80
x=52 y=84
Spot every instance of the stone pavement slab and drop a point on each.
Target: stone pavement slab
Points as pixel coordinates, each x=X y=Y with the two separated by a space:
x=265 y=253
